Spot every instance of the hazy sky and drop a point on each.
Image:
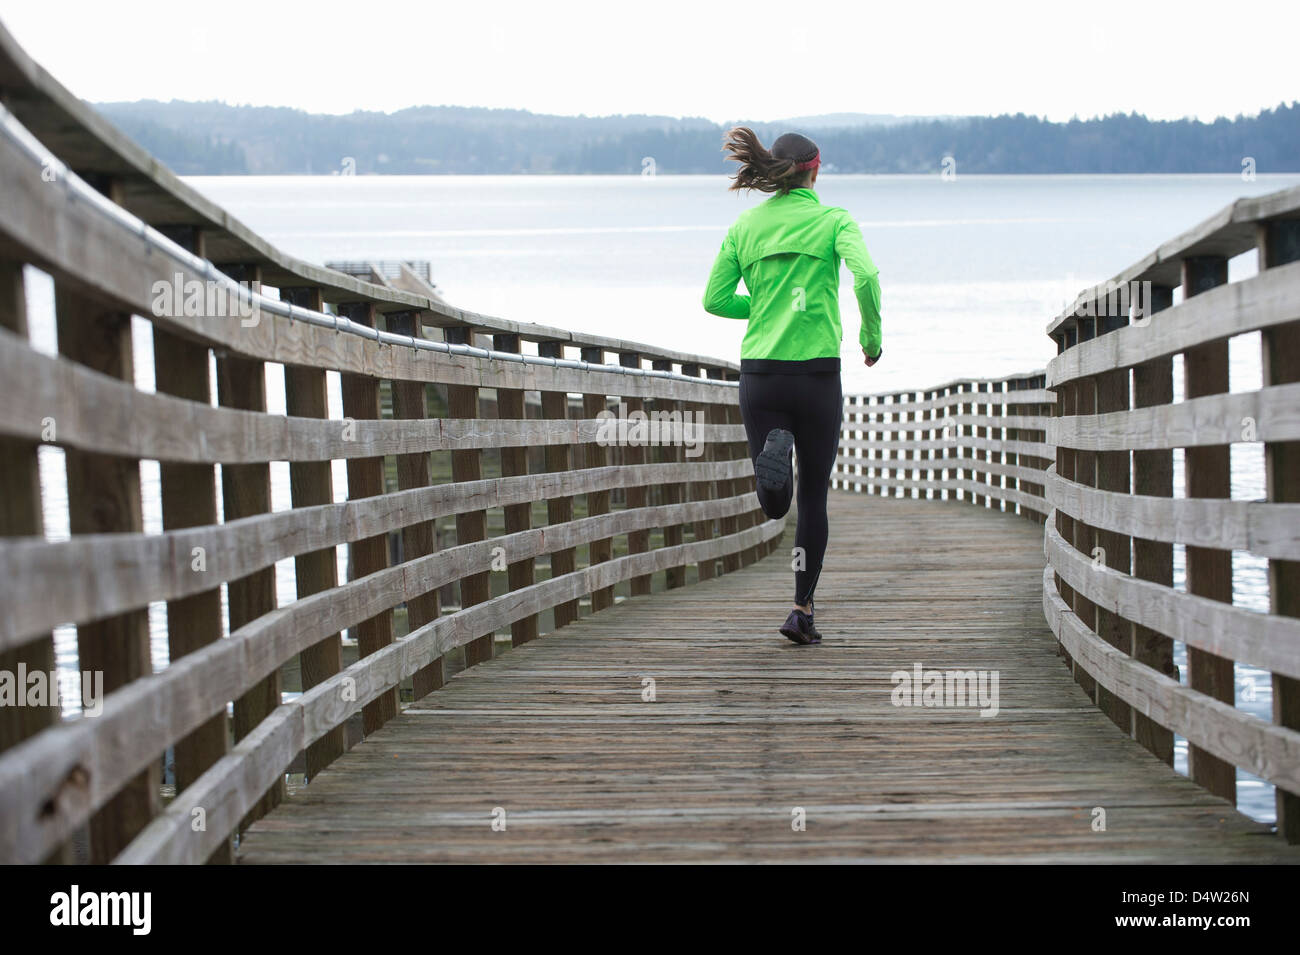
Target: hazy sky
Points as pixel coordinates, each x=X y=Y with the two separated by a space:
x=743 y=59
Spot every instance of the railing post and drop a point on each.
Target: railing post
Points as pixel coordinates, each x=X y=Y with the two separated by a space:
x=671 y=453
x=1279 y=244
x=104 y=498
x=366 y=479
x=701 y=490
x=596 y=456
x=21 y=516
x=909 y=454
x=311 y=484
x=982 y=454
x=246 y=492
x=1065 y=468
x=927 y=454
x=1112 y=394
x=559 y=510
x=518 y=517
x=1208 y=474
x=1085 y=473
x=189 y=499
x=1153 y=475
x=418 y=539
x=1012 y=458
x=471 y=526
x=967 y=442
x=638 y=542
x=727 y=414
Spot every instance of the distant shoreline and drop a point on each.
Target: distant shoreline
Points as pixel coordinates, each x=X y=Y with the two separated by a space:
x=218 y=139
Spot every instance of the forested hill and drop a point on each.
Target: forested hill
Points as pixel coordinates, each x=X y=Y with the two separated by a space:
x=213 y=138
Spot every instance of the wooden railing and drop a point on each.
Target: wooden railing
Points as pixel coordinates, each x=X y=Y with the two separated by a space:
x=1096 y=452
x=1109 y=591
x=977 y=441
x=548 y=510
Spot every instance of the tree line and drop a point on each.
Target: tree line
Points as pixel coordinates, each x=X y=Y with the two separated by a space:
x=219 y=139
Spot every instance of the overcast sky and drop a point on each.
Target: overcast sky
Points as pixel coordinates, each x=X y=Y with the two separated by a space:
x=742 y=59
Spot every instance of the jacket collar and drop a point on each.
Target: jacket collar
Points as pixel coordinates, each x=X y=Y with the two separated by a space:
x=806 y=194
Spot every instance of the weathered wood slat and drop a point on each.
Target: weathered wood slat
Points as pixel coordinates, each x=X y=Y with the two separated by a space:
x=1214 y=419
x=1260 y=527
x=1270 y=752
x=188 y=692
x=124 y=571
x=1270 y=298
x=103 y=415
x=745 y=728
x=1264 y=640
x=325 y=706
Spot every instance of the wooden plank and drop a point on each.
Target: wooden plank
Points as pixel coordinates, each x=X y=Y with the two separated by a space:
x=117 y=572
x=1204 y=422
x=1214 y=727
x=179 y=698
x=104 y=497
x=674 y=577
x=20 y=516
x=1279 y=243
x=462 y=402
x=518 y=517
x=702 y=775
x=598 y=501
x=245 y=492
x=1254 y=304
x=311 y=483
x=1112 y=474
x=189 y=499
x=1207 y=470
x=638 y=542
x=734 y=525
x=307 y=716
x=370 y=554
x=1209 y=625
x=700 y=490
x=419 y=538
x=1153 y=557
x=105 y=416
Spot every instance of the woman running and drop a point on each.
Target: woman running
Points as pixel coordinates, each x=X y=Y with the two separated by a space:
x=788 y=250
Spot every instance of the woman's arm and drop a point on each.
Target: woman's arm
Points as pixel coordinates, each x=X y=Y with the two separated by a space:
x=720 y=296
x=866 y=285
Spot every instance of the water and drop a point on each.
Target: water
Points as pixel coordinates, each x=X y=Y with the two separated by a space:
x=972 y=270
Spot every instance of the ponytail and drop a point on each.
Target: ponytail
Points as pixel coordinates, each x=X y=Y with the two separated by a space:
x=780 y=169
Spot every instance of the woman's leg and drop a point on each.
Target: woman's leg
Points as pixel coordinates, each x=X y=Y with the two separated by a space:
x=762 y=404
x=819 y=404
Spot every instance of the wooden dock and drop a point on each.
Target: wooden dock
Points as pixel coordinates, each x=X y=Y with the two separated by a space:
x=1026 y=527
x=745 y=727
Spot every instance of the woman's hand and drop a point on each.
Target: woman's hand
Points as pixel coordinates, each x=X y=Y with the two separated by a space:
x=869 y=360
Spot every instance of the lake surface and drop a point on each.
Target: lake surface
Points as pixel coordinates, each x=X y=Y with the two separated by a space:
x=972 y=270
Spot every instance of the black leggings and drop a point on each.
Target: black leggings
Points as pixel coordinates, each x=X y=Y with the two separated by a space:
x=810 y=407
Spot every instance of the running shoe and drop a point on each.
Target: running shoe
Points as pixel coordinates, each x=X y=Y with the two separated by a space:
x=774 y=467
x=799 y=627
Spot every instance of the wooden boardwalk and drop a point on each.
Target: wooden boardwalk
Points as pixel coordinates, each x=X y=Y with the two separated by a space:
x=745 y=727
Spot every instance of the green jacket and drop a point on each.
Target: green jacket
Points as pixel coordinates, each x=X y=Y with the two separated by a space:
x=788 y=250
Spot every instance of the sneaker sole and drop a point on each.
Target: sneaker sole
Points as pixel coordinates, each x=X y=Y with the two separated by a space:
x=803 y=639
x=773 y=465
